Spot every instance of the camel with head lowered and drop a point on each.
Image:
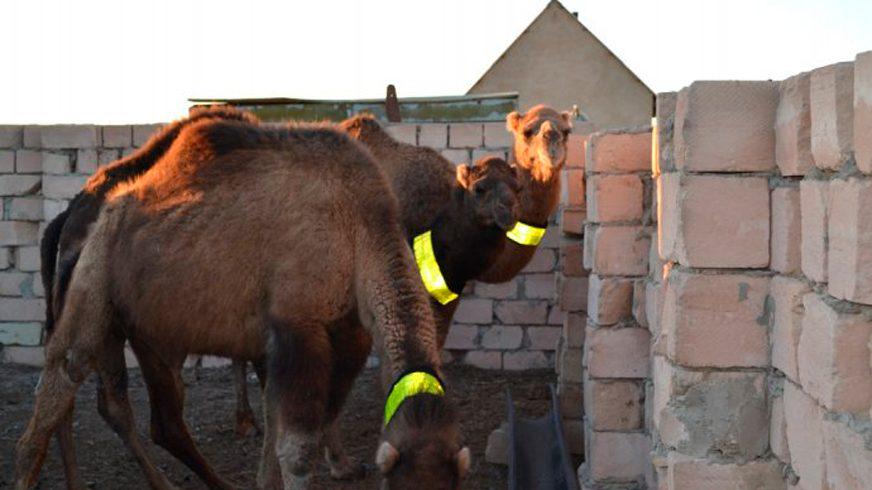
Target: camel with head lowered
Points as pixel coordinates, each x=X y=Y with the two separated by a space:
x=239 y=243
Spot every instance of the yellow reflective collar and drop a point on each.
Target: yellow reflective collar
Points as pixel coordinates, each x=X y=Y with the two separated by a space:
x=433 y=279
x=526 y=234
x=412 y=384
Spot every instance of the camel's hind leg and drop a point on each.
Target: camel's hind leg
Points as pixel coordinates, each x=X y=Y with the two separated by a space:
x=168 y=428
x=246 y=423
x=114 y=406
x=67 y=449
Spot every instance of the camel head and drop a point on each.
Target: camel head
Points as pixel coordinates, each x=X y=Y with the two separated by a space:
x=491 y=192
x=421 y=447
x=540 y=140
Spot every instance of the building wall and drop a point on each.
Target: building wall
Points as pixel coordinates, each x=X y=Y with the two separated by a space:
x=560 y=63
x=507 y=326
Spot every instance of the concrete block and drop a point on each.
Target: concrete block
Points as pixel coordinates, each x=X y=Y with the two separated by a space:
x=544 y=259
x=484 y=359
x=404 y=132
x=18 y=233
x=726 y=126
x=502 y=337
x=55 y=163
x=805 y=437
x=142 y=133
x=609 y=300
x=11 y=136
x=850 y=240
x=462 y=337
x=28 y=162
x=14 y=283
x=704 y=474
x=7 y=162
x=27 y=333
x=832 y=115
x=496 y=135
x=793 y=127
x=25 y=208
x=63 y=186
x=540 y=286
x=833 y=356
x=27 y=258
x=475 y=310
x=543 y=337
x=863 y=111
x=502 y=290
x=787 y=313
x=22 y=310
x=497 y=449
x=614 y=198
x=614 y=404
x=619 y=152
x=523 y=360
x=456 y=155
x=617 y=352
x=618 y=456
x=620 y=250
x=521 y=312
x=815 y=203
x=785 y=245
x=117 y=136
x=717 y=320
x=434 y=135
x=465 y=135
x=19 y=185
x=69 y=136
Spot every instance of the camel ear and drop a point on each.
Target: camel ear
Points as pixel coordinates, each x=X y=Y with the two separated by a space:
x=463 y=175
x=567 y=118
x=464 y=461
x=513 y=120
x=386 y=457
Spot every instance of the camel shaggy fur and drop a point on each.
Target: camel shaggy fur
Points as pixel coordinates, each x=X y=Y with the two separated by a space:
x=300 y=244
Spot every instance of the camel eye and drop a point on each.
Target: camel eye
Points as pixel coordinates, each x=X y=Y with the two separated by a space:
x=566 y=133
x=528 y=133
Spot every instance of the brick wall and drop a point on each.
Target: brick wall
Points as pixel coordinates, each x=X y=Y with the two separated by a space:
x=515 y=325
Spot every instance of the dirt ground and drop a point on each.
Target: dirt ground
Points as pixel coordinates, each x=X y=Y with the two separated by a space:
x=209 y=411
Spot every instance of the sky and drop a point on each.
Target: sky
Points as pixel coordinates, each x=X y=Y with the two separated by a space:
x=137 y=61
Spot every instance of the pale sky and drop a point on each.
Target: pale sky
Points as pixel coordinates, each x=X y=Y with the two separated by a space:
x=126 y=61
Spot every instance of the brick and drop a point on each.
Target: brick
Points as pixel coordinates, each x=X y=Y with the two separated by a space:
x=618 y=456
x=523 y=360
x=20 y=333
x=715 y=221
x=778 y=430
x=832 y=114
x=543 y=337
x=496 y=135
x=573 y=434
x=87 y=161
x=793 y=127
x=497 y=291
x=572 y=187
x=22 y=310
x=571 y=365
x=815 y=203
x=575 y=150
x=18 y=233
x=572 y=258
x=543 y=260
x=32 y=137
x=571 y=399
x=7 y=162
x=786 y=227
x=4 y=257
x=70 y=136
x=617 y=352
x=456 y=156
x=726 y=126
x=539 y=286
x=502 y=337
x=573 y=293
x=25 y=208
x=19 y=185
x=850 y=241
x=478 y=154
x=609 y=300
x=28 y=162
x=572 y=220
x=142 y=133
x=698 y=474
x=38 y=288
x=14 y=283
x=619 y=152
x=863 y=111
x=104 y=157
x=11 y=136
x=833 y=356
x=55 y=163
x=716 y=320
x=639 y=308
x=664 y=110
x=474 y=310
x=614 y=198
x=465 y=135
x=404 y=133
x=573 y=329
x=614 y=404
x=848 y=455
x=52 y=208
x=805 y=437
x=24 y=355
x=555 y=315
x=702 y=413
x=63 y=186
x=529 y=312
x=653 y=307
x=434 y=135
x=461 y=337
x=787 y=313
x=484 y=359
x=620 y=250
x=117 y=136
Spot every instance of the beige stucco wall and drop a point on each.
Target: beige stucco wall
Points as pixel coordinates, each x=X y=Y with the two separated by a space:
x=575 y=69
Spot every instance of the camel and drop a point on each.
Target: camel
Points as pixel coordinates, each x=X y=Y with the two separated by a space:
x=161 y=240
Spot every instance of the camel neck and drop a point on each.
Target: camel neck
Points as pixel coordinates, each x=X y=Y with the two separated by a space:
x=538 y=198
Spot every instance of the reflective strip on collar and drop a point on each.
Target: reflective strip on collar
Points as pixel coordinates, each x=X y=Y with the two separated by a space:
x=526 y=234
x=433 y=279
x=412 y=384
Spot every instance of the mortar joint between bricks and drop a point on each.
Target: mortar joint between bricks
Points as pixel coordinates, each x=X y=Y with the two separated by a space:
x=712 y=271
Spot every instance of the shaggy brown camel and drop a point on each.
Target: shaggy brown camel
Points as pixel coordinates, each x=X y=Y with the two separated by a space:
x=161 y=241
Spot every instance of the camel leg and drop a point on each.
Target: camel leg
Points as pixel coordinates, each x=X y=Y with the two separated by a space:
x=168 y=427
x=114 y=406
x=64 y=437
x=246 y=423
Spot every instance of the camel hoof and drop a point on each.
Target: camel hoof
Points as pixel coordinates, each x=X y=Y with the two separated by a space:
x=246 y=425
x=350 y=471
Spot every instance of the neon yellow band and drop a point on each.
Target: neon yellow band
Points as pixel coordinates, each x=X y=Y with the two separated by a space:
x=526 y=234
x=411 y=384
x=433 y=279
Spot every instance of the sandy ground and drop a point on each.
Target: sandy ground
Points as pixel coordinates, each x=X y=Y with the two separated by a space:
x=209 y=411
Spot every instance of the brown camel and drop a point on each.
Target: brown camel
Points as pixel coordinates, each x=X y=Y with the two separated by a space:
x=162 y=240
